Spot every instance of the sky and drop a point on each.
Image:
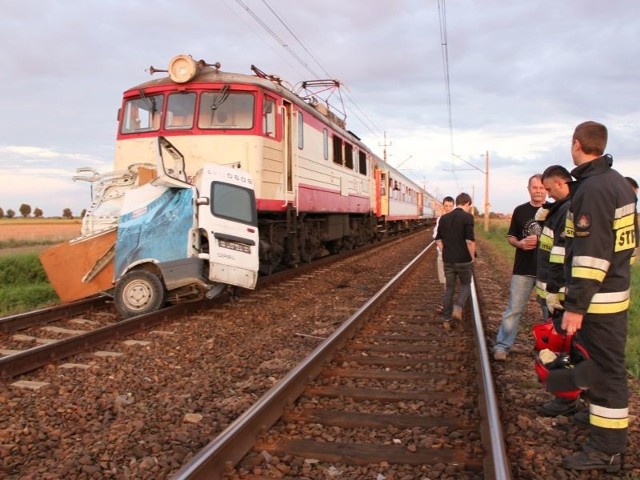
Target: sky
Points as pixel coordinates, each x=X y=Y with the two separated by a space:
x=521 y=75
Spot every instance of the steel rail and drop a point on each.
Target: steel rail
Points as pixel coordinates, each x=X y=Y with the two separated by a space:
x=496 y=465
x=33 y=358
x=20 y=321
x=24 y=320
x=23 y=362
x=237 y=440
x=226 y=450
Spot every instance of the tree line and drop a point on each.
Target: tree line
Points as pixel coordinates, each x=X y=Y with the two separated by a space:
x=25 y=211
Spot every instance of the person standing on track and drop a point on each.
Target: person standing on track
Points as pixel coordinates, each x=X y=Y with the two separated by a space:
x=523 y=234
x=550 y=279
x=456 y=240
x=601 y=230
x=447 y=205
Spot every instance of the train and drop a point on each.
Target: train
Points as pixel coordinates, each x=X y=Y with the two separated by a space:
x=319 y=189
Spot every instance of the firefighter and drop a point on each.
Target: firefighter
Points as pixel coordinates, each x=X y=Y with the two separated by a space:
x=600 y=238
x=550 y=279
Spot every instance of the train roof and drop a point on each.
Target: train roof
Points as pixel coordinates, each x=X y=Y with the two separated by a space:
x=212 y=75
x=201 y=73
x=183 y=69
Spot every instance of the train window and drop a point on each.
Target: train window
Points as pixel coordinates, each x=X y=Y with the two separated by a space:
x=337 y=150
x=269 y=117
x=325 y=143
x=142 y=114
x=180 y=110
x=300 y=131
x=362 y=158
x=223 y=110
x=348 y=156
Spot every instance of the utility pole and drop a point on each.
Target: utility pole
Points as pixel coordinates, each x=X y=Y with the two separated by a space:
x=486 y=192
x=486 y=185
x=385 y=145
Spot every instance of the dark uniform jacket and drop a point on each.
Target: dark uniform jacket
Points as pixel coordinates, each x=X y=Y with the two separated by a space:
x=599 y=250
x=550 y=259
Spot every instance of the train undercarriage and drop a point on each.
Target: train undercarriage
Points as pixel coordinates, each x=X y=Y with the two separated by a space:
x=290 y=239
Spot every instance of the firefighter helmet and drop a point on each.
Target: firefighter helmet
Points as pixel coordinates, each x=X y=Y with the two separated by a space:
x=566 y=353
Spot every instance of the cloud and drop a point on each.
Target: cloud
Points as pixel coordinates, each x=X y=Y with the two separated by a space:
x=522 y=75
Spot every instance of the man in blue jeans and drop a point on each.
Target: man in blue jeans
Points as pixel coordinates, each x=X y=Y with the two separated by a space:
x=455 y=238
x=523 y=234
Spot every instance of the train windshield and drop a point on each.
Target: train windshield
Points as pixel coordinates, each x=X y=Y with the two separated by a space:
x=180 y=110
x=226 y=110
x=216 y=110
x=142 y=114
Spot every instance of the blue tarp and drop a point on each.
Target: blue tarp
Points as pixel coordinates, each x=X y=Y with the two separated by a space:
x=159 y=230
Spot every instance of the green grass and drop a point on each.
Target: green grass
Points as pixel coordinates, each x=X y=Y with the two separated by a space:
x=13 y=243
x=497 y=236
x=23 y=284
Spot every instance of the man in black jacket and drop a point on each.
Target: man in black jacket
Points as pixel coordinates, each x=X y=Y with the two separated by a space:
x=550 y=279
x=601 y=232
x=455 y=238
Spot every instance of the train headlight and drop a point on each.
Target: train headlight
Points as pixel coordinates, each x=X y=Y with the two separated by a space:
x=182 y=68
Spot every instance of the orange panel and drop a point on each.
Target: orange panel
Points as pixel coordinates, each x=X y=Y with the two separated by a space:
x=68 y=263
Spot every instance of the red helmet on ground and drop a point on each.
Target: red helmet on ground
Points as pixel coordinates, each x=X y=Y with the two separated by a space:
x=567 y=353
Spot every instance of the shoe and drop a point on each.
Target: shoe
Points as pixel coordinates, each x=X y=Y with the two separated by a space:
x=457 y=313
x=558 y=406
x=500 y=355
x=447 y=325
x=592 y=459
x=581 y=419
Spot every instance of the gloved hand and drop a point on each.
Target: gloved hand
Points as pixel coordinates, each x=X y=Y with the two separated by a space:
x=541 y=214
x=553 y=302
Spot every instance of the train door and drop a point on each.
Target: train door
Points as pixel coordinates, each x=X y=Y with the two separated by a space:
x=288 y=138
x=382 y=193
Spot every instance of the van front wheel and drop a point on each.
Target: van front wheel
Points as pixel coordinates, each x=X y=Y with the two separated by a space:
x=139 y=292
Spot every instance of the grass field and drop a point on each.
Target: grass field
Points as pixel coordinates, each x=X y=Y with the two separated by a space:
x=497 y=235
x=16 y=234
x=23 y=283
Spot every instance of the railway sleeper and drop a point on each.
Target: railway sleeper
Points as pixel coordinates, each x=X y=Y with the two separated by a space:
x=359 y=454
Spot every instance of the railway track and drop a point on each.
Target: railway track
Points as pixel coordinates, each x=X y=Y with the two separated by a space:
x=162 y=396
x=95 y=322
x=390 y=390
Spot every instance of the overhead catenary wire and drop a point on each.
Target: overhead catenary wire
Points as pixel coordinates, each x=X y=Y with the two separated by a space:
x=284 y=24
x=444 y=43
x=442 y=16
x=273 y=34
x=251 y=27
x=358 y=112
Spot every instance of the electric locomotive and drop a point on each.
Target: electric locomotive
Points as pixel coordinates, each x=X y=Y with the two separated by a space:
x=319 y=189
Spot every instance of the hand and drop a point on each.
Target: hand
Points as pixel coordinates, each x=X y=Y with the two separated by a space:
x=553 y=302
x=529 y=243
x=541 y=214
x=571 y=322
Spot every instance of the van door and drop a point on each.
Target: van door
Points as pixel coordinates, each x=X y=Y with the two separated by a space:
x=227 y=212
